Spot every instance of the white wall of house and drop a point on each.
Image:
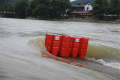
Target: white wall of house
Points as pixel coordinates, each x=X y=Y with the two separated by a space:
x=88 y=7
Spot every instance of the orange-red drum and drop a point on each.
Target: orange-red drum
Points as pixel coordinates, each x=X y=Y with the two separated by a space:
x=75 y=47
x=83 y=47
x=48 y=42
x=64 y=46
x=55 y=44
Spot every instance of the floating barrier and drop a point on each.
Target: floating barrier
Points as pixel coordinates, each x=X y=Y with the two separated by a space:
x=66 y=46
x=55 y=44
x=75 y=47
x=48 y=42
x=83 y=47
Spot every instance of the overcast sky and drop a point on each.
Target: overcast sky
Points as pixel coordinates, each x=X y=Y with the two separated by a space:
x=72 y=0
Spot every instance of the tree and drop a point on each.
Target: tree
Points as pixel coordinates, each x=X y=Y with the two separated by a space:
x=21 y=8
x=100 y=7
x=115 y=7
x=40 y=7
x=59 y=7
x=0 y=8
x=8 y=7
x=51 y=8
x=97 y=8
x=31 y=6
x=2 y=2
x=105 y=7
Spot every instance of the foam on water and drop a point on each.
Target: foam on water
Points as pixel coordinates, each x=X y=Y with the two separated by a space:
x=115 y=65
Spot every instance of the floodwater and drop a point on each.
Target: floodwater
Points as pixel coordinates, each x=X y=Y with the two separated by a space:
x=23 y=55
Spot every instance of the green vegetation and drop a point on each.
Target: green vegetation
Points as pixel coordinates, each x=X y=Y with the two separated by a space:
x=8 y=1
x=115 y=7
x=37 y=8
x=21 y=8
x=8 y=7
x=101 y=7
x=55 y=8
x=49 y=8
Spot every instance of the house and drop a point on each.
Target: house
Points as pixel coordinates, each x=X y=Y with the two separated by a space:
x=82 y=9
x=78 y=7
x=88 y=7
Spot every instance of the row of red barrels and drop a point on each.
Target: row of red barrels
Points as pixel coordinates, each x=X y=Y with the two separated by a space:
x=66 y=46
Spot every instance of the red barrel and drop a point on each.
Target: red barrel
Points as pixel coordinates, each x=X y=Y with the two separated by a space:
x=48 y=42
x=75 y=47
x=55 y=44
x=83 y=47
x=70 y=45
x=64 y=46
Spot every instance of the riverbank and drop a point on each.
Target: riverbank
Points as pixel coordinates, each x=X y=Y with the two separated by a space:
x=87 y=19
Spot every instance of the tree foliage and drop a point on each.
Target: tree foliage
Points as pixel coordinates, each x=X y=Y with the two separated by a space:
x=101 y=7
x=115 y=7
x=8 y=1
x=47 y=8
x=51 y=8
x=8 y=7
x=21 y=8
x=59 y=7
x=40 y=7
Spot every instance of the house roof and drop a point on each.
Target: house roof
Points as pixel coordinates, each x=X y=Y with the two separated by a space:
x=78 y=12
x=82 y=5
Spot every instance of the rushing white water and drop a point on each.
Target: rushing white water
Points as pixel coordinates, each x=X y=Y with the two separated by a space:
x=23 y=55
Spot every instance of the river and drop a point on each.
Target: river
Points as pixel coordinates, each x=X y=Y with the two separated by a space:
x=23 y=55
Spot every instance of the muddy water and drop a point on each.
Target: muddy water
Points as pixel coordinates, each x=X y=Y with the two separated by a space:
x=23 y=55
